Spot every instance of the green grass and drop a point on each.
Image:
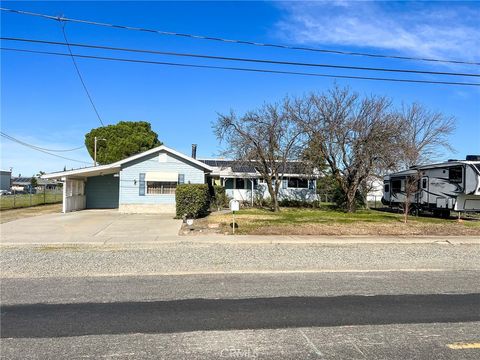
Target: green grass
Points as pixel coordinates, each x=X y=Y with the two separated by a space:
x=328 y=220
x=292 y=216
x=26 y=200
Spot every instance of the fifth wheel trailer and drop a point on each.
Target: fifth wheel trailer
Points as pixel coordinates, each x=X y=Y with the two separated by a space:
x=439 y=188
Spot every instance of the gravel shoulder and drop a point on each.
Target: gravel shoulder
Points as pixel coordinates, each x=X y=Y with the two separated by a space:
x=180 y=258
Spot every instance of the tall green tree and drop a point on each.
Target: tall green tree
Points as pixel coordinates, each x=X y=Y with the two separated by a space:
x=122 y=140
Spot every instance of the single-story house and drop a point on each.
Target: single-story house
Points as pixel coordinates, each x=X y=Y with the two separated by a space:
x=146 y=182
x=24 y=184
x=242 y=181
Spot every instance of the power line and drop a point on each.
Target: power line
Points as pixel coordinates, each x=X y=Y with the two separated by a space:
x=80 y=75
x=233 y=41
x=262 y=61
x=11 y=138
x=244 y=69
x=52 y=150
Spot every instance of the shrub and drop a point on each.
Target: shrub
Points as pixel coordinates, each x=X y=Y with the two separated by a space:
x=220 y=198
x=299 y=203
x=340 y=199
x=193 y=200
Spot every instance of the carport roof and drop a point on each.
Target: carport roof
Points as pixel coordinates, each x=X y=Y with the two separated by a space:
x=115 y=167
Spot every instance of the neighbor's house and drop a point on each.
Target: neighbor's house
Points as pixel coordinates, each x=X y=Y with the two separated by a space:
x=21 y=184
x=242 y=181
x=24 y=184
x=5 y=179
x=146 y=182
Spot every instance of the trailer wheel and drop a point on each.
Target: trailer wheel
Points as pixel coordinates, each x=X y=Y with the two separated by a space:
x=414 y=211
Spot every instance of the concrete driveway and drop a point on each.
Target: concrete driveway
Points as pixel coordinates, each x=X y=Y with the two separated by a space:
x=90 y=226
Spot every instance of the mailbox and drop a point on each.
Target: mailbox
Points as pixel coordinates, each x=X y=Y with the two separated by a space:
x=234 y=205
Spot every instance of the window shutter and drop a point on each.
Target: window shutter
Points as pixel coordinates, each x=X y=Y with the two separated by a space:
x=141 y=184
x=311 y=184
x=181 y=178
x=284 y=184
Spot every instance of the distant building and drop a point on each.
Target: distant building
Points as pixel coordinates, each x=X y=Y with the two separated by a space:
x=5 y=179
x=24 y=184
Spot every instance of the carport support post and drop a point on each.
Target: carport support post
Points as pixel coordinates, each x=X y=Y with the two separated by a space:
x=64 y=195
x=251 y=180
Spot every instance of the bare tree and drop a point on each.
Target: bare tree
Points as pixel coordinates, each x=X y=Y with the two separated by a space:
x=424 y=135
x=355 y=136
x=265 y=136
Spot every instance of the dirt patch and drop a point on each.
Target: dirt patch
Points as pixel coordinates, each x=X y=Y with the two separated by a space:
x=20 y=213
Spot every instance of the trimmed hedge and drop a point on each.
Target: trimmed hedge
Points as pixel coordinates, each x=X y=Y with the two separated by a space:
x=220 y=197
x=192 y=200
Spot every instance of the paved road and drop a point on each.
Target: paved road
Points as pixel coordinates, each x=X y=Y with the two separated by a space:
x=332 y=315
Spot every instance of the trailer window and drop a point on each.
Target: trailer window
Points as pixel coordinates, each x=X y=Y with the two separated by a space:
x=396 y=186
x=424 y=183
x=455 y=174
x=386 y=188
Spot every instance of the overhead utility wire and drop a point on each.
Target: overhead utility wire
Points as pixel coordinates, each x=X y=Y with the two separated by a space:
x=45 y=149
x=80 y=75
x=242 y=69
x=213 y=57
x=232 y=41
x=11 y=138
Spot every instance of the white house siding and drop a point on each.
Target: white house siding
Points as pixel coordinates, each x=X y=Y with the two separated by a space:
x=130 y=198
x=261 y=192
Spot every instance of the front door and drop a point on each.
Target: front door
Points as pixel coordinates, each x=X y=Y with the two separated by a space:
x=424 y=191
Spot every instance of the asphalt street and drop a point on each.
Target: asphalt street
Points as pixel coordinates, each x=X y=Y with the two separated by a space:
x=366 y=314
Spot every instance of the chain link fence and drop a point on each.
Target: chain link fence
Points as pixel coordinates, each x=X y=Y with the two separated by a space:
x=21 y=199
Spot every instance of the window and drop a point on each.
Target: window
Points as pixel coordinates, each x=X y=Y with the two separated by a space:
x=424 y=183
x=387 y=188
x=396 y=186
x=239 y=183
x=161 y=187
x=455 y=174
x=297 y=183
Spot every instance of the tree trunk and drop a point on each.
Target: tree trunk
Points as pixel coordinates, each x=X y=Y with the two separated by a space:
x=351 y=203
x=273 y=196
x=405 y=212
x=276 y=208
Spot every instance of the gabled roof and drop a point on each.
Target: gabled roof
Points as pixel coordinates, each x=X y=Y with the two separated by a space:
x=113 y=167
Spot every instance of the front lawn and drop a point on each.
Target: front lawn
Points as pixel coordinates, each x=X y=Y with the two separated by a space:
x=296 y=221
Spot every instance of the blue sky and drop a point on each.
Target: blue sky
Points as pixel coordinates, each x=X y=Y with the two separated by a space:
x=43 y=103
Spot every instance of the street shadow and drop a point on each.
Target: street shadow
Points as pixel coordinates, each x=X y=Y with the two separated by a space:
x=61 y=320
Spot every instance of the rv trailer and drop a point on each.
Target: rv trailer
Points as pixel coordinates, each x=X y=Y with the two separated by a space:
x=439 y=188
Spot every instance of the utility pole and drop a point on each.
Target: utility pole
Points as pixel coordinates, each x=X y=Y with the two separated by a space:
x=95 y=150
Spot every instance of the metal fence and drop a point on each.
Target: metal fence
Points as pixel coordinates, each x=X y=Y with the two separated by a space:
x=21 y=199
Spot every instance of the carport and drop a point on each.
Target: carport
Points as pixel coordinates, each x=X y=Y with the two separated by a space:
x=90 y=188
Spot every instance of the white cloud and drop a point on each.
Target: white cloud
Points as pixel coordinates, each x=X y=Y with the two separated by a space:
x=436 y=30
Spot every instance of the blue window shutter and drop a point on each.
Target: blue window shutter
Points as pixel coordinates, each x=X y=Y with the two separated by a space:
x=141 y=184
x=181 y=178
x=311 y=184
x=284 y=184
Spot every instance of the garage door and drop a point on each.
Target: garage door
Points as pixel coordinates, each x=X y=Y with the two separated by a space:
x=102 y=192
